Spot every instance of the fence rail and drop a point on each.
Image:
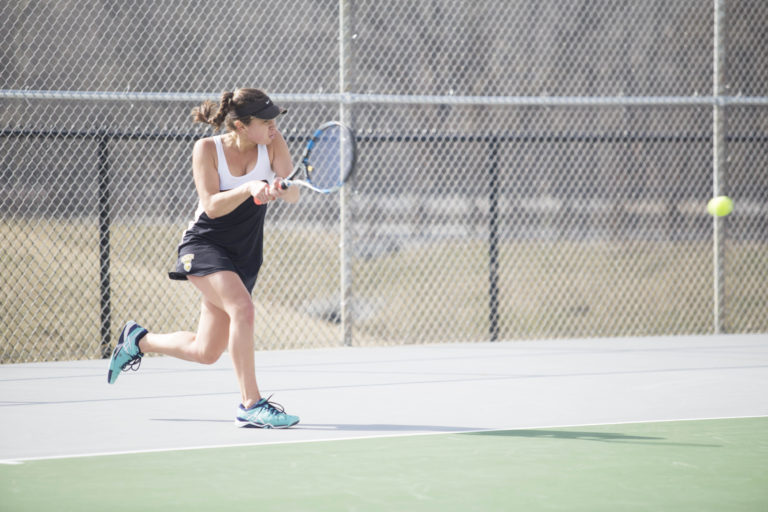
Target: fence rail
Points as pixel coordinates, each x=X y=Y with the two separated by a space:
x=393 y=99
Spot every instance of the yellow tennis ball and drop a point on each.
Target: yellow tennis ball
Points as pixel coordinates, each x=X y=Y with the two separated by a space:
x=720 y=206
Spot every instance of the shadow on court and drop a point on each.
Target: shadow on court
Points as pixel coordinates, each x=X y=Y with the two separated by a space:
x=605 y=437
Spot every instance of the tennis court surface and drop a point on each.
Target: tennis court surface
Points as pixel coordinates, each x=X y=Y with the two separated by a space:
x=661 y=423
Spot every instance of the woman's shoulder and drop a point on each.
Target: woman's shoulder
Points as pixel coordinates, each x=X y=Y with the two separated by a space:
x=206 y=144
x=204 y=150
x=207 y=141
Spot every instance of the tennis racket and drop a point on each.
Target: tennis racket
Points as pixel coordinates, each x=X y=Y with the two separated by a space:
x=327 y=162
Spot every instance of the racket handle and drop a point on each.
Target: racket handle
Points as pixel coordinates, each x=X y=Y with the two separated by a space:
x=284 y=184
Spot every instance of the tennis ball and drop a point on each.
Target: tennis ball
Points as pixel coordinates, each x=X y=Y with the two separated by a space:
x=720 y=206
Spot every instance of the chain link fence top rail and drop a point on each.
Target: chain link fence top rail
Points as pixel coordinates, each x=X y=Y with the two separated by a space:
x=526 y=169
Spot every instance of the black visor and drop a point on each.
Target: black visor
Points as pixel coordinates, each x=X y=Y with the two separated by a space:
x=263 y=109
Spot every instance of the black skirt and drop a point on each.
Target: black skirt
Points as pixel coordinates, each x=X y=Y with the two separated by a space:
x=232 y=242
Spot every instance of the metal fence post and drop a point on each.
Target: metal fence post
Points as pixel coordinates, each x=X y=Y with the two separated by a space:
x=105 y=214
x=719 y=162
x=493 y=241
x=346 y=81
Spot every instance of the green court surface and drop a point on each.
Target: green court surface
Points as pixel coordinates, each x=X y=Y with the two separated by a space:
x=678 y=466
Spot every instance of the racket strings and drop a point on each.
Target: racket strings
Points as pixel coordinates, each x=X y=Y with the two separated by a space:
x=331 y=158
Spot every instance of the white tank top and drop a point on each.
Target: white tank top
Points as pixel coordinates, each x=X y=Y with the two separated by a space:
x=261 y=171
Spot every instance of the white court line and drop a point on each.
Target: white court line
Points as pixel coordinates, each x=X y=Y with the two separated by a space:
x=22 y=460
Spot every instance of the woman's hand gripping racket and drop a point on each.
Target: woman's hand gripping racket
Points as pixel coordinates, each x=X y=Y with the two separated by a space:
x=327 y=162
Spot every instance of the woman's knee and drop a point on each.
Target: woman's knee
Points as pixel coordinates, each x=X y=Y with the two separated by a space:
x=212 y=333
x=209 y=355
x=241 y=311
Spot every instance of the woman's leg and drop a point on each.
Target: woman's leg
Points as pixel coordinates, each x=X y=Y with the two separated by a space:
x=226 y=320
x=205 y=346
x=226 y=292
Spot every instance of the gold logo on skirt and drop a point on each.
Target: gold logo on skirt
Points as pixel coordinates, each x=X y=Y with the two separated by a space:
x=186 y=260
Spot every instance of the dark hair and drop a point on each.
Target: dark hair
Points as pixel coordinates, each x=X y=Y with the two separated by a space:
x=230 y=108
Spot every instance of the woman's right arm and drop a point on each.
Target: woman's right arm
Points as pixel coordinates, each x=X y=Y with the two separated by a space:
x=217 y=203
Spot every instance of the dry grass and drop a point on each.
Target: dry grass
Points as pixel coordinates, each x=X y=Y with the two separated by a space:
x=428 y=292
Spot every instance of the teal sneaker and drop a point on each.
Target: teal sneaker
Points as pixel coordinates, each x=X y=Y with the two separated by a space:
x=264 y=414
x=126 y=355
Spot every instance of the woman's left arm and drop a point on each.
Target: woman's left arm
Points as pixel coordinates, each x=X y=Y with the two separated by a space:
x=282 y=167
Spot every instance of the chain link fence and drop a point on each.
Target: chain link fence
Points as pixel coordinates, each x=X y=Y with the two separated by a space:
x=527 y=169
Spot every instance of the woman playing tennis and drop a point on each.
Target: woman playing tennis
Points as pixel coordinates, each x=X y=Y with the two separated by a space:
x=236 y=174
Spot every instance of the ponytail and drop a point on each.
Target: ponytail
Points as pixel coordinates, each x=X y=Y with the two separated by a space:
x=205 y=112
